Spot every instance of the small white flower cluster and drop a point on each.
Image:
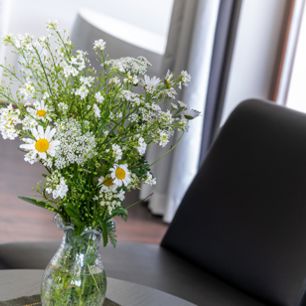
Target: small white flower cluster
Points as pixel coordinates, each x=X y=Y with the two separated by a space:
x=97 y=111
x=142 y=146
x=28 y=123
x=131 y=96
x=83 y=90
x=75 y=65
x=138 y=66
x=151 y=115
x=99 y=45
x=27 y=91
x=117 y=151
x=76 y=147
x=185 y=79
x=111 y=194
x=110 y=199
x=87 y=81
x=69 y=70
x=52 y=25
x=150 y=180
x=163 y=138
x=151 y=84
x=99 y=98
x=9 y=118
x=165 y=118
x=56 y=185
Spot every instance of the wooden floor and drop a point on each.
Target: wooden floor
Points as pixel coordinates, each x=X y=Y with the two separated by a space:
x=20 y=221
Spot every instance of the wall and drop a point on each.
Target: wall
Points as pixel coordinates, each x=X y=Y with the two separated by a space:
x=255 y=52
x=4 y=22
x=31 y=15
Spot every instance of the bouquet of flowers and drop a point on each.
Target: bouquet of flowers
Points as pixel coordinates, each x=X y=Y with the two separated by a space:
x=89 y=128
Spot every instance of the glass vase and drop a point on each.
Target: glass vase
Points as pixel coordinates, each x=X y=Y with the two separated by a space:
x=75 y=275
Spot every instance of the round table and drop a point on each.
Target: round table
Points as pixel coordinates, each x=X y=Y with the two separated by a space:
x=17 y=283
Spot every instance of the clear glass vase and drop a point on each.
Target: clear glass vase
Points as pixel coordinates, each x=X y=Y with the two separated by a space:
x=75 y=275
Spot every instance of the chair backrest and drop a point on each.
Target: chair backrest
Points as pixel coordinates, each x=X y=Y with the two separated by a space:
x=244 y=216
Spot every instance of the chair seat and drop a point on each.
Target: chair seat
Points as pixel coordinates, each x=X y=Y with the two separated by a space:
x=149 y=265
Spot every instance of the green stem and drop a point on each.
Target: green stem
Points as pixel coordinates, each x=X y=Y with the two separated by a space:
x=168 y=151
x=44 y=70
x=139 y=201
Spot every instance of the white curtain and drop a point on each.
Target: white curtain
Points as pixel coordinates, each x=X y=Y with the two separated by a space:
x=190 y=45
x=4 y=20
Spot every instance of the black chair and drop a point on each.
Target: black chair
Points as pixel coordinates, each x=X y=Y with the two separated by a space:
x=239 y=235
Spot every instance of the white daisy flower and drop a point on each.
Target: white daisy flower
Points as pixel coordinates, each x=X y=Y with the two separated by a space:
x=107 y=184
x=40 y=110
x=42 y=144
x=120 y=175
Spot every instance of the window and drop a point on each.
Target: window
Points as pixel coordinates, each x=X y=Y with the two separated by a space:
x=296 y=97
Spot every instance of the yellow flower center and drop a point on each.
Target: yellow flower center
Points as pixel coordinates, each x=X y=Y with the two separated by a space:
x=120 y=173
x=108 y=182
x=42 y=145
x=41 y=113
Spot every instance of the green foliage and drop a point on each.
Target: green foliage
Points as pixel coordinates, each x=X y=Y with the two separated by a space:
x=89 y=128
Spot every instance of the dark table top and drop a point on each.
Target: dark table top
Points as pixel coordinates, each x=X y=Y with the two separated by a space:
x=17 y=283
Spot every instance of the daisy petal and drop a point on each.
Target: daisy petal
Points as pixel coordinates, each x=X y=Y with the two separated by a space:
x=28 y=140
x=47 y=131
x=51 y=134
x=52 y=147
x=27 y=146
x=42 y=155
x=35 y=133
x=41 y=132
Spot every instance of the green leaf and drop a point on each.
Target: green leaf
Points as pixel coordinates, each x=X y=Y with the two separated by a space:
x=104 y=233
x=112 y=232
x=39 y=203
x=74 y=215
x=121 y=212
